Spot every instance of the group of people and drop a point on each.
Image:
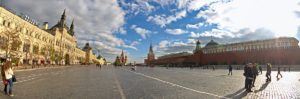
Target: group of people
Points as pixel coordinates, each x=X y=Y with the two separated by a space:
x=7 y=75
x=256 y=68
x=99 y=65
x=250 y=73
x=252 y=70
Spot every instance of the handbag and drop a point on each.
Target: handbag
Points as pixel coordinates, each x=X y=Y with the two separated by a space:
x=14 y=78
x=5 y=82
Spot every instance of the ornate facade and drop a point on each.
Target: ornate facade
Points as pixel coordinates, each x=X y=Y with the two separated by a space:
x=121 y=60
x=40 y=44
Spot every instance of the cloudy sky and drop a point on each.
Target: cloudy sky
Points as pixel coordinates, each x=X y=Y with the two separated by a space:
x=171 y=25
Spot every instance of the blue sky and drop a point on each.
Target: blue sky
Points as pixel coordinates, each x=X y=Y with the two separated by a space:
x=171 y=25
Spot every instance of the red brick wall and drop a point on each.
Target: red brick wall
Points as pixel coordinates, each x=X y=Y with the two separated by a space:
x=280 y=56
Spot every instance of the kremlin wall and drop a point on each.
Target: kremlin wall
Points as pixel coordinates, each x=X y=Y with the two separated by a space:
x=277 y=51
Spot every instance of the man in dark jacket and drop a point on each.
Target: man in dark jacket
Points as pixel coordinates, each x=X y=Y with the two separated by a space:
x=230 y=70
x=249 y=75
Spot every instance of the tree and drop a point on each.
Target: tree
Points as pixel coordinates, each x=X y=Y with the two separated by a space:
x=11 y=43
x=52 y=53
x=99 y=57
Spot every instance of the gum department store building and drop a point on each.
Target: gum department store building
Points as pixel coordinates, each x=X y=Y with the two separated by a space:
x=37 y=42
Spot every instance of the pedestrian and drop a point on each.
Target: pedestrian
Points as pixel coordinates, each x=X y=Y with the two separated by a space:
x=249 y=76
x=9 y=76
x=260 y=69
x=278 y=72
x=255 y=73
x=5 y=82
x=245 y=67
x=230 y=70
x=284 y=68
x=268 y=74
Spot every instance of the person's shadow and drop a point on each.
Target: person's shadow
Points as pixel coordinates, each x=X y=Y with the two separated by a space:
x=263 y=87
x=278 y=78
x=238 y=94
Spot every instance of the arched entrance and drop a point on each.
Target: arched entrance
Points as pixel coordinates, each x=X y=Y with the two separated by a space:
x=67 y=59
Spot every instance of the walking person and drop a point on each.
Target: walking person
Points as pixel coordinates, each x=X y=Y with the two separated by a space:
x=249 y=77
x=5 y=82
x=9 y=76
x=245 y=67
x=268 y=74
x=278 y=72
x=230 y=70
x=260 y=69
x=255 y=73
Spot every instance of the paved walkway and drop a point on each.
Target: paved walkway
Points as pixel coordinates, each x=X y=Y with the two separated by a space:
x=89 y=82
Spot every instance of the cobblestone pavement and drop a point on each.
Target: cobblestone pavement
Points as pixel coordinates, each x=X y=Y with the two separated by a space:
x=89 y=82
x=219 y=83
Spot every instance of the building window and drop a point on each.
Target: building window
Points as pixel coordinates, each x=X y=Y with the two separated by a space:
x=26 y=47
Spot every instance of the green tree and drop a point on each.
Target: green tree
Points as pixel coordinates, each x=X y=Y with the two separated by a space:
x=99 y=57
x=11 y=43
x=52 y=53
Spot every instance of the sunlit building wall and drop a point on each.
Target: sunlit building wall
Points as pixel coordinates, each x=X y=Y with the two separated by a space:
x=40 y=39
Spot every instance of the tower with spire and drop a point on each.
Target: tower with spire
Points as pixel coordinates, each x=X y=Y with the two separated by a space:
x=198 y=47
x=71 y=31
x=63 y=27
x=63 y=18
x=150 y=56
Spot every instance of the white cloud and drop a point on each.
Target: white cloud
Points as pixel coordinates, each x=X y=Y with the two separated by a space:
x=134 y=43
x=163 y=43
x=122 y=31
x=195 y=26
x=164 y=20
x=164 y=2
x=275 y=15
x=164 y=47
x=130 y=46
x=182 y=3
x=141 y=31
x=138 y=6
x=176 y=31
x=218 y=34
x=194 y=35
x=197 y=4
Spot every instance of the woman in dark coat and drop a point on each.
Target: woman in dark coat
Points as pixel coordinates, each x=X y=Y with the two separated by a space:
x=249 y=76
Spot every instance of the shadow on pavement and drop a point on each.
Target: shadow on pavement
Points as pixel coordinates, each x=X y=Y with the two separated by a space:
x=3 y=95
x=238 y=94
x=263 y=87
